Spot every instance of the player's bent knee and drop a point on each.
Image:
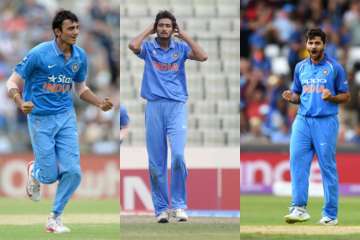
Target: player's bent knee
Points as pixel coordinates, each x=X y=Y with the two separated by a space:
x=49 y=179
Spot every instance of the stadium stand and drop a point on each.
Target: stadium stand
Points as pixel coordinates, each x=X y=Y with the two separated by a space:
x=213 y=86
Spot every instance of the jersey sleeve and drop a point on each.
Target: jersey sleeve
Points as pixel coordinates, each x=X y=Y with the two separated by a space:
x=341 y=82
x=186 y=49
x=124 y=117
x=296 y=86
x=142 y=53
x=82 y=72
x=27 y=65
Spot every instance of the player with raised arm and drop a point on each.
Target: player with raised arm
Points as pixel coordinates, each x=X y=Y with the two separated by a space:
x=164 y=87
x=41 y=86
x=320 y=85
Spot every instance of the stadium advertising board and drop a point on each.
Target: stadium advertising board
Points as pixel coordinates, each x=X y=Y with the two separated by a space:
x=213 y=181
x=100 y=176
x=269 y=173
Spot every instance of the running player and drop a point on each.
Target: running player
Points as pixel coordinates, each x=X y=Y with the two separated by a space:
x=41 y=87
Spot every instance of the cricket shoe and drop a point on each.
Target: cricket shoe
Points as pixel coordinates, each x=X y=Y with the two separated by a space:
x=297 y=214
x=328 y=221
x=55 y=225
x=180 y=215
x=163 y=217
x=32 y=186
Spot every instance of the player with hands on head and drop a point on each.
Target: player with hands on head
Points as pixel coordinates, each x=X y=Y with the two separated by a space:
x=165 y=89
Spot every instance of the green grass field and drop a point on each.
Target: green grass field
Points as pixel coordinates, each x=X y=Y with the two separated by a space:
x=146 y=228
x=22 y=219
x=262 y=218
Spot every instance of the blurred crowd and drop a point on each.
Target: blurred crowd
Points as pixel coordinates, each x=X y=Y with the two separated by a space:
x=272 y=42
x=24 y=24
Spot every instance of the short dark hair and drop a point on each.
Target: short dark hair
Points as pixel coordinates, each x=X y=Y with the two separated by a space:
x=61 y=16
x=165 y=14
x=315 y=32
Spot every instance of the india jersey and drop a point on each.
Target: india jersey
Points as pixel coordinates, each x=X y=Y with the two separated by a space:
x=164 y=72
x=49 y=77
x=310 y=79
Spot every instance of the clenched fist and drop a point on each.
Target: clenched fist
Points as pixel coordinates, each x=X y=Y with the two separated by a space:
x=326 y=94
x=26 y=107
x=287 y=95
x=106 y=104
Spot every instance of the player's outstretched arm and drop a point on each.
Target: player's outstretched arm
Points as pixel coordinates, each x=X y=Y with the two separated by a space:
x=197 y=53
x=291 y=97
x=88 y=96
x=135 y=44
x=14 y=85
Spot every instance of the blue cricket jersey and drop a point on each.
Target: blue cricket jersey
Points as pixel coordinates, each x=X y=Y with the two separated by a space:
x=49 y=77
x=124 y=117
x=310 y=79
x=164 y=72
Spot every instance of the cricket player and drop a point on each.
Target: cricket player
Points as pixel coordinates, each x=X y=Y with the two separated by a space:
x=319 y=86
x=124 y=123
x=164 y=88
x=41 y=86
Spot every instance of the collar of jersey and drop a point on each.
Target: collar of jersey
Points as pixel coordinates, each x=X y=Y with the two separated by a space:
x=172 y=44
x=59 y=52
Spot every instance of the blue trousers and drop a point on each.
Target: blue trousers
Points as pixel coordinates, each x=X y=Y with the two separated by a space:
x=55 y=145
x=165 y=121
x=310 y=136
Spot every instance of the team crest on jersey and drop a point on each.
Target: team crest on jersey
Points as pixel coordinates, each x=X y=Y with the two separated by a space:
x=175 y=55
x=75 y=67
x=326 y=72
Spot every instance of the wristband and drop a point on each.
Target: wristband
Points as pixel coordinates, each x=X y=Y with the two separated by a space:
x=15 y=95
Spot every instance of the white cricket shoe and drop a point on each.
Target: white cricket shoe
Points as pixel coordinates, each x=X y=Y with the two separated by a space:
x=297 y=214
x=163 y=217
x=180 y=215
x=55 y=225
x=328 y=221
x=32 y=186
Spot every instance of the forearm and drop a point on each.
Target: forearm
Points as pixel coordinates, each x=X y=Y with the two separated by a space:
x=135 y=44
x=89 y=97
x=340 y=98
x=198 y=53
x=16 y=96
x=14 y=84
